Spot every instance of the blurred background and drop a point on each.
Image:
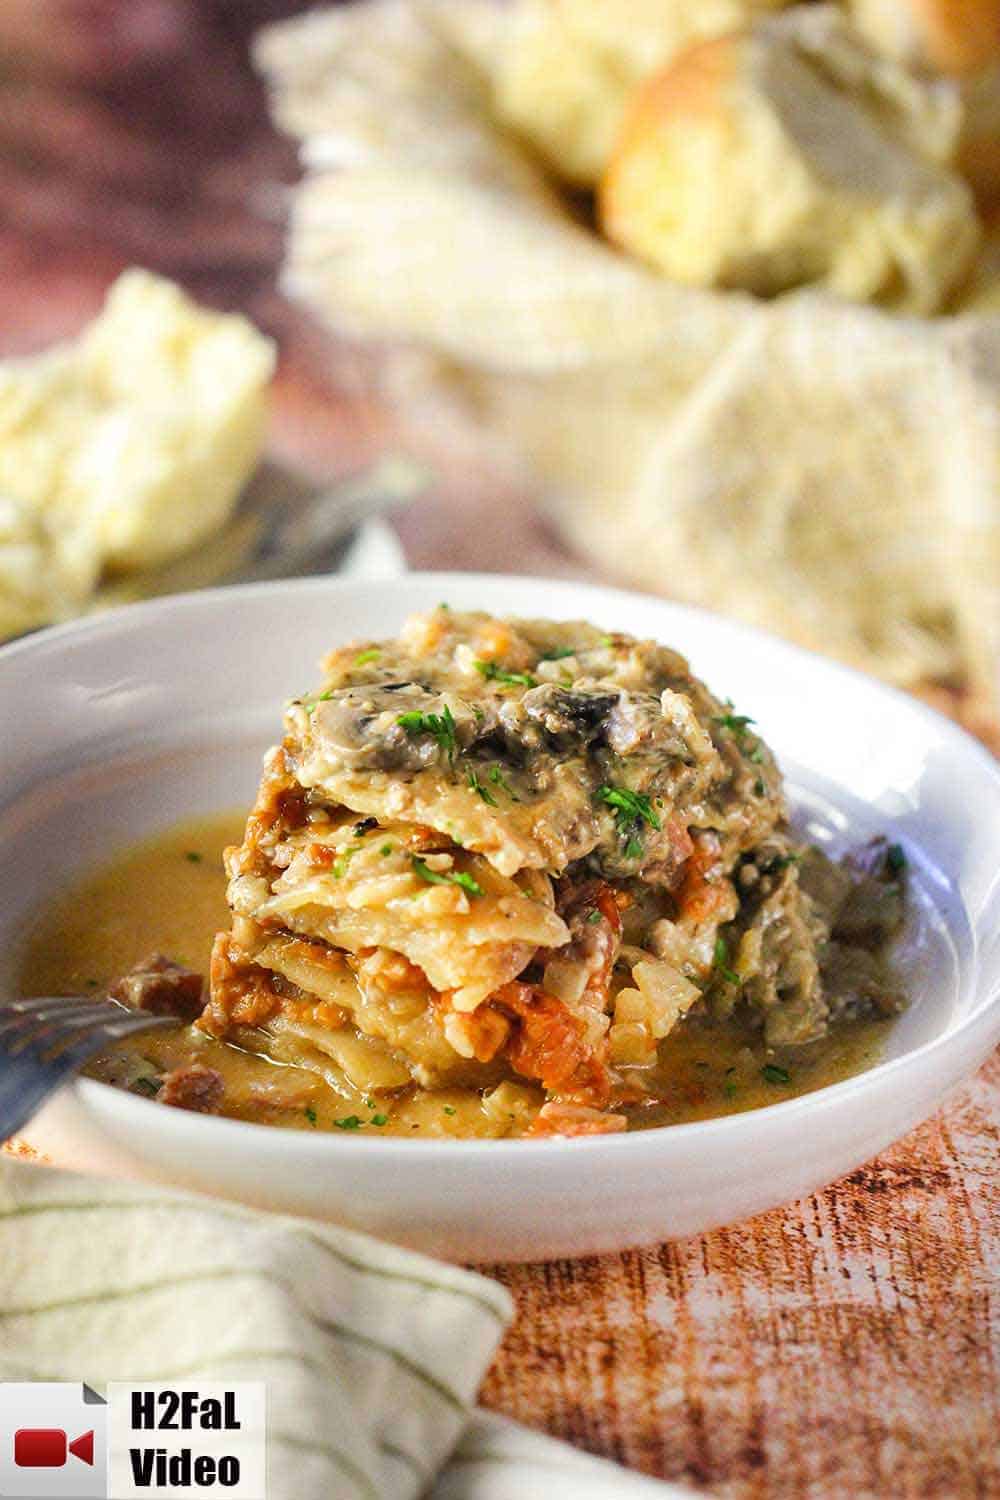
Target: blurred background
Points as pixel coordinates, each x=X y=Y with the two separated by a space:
x=137 y=132
x=826 y=468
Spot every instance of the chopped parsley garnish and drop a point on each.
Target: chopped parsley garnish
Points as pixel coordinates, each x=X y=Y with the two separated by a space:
x=493 y=672
x=606 y=640
x=481 y=791
x=632 y=809
x=349 y=1122
x=772 y=1073
x=340 y=865
x=310 y=1114
x=730 y=1089
x=499 y=779
x=448 y=877
x=364 y=657
x=721 y=960
x=385 y=850
x=148 y=1086
x=558 y=653
x=594 y=917
x=449 y=1109
x=379 y=1120
x=441 y=726
x=759 y=788
x=193 y=857
x=749 y=744
x=895 y=858
x=92 y=984
x=310 y=708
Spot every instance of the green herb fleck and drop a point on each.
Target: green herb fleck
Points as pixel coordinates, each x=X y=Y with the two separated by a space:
x=349 y=1122
x=632 y=809
x=558 y=653
x=493 y=672
x=605 y=640
x=340 y=865
x=895 y=858
x=385 y=850
x=193 y=857
x=310 y=708
x=148 y=1086
x=749 y=745
x=92 y=984
x=379 y=1120
x=594 y=918
x=481 y=791
x=730 y=1089
x=499 y=779
x=310 y=1114
x=441 y=726
x=364 y=657
x=721 y=958
x=772 y=1073
x=759 y=787
x=450 y=877
x=449 y=1109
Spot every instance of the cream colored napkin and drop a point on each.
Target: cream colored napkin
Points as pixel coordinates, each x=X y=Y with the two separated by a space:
x=820 y=469
x=372 y=1355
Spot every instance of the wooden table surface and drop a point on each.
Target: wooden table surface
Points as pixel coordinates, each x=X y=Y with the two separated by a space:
x=845 y=1347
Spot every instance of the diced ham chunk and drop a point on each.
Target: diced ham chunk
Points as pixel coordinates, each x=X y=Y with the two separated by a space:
x=162 y=987
x=194 y=1087
x=556 y=1118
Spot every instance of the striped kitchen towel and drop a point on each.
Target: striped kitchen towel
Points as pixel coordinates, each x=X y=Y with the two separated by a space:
x=372 y=1355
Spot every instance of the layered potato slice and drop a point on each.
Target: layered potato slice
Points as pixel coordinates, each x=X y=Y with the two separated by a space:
x=507 y=858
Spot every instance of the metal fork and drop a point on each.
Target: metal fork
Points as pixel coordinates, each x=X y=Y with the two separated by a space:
x=44 y=1042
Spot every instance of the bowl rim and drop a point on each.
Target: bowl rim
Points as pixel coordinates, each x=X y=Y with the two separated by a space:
x=769 y=1116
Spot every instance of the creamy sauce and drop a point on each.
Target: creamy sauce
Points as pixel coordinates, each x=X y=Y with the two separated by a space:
x=167 y=894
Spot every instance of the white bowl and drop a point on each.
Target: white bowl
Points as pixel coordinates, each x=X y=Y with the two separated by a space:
x=121 y=725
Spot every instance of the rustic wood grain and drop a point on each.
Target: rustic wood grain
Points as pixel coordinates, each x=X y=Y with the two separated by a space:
x=845 y=1347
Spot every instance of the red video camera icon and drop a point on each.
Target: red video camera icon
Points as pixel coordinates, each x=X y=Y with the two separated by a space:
x=47 y=1448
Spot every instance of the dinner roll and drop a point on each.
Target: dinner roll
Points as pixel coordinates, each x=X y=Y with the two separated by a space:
x=979 y=150
x=982 y=293
x=952 y=36
x=563 y=79
x=790 y=154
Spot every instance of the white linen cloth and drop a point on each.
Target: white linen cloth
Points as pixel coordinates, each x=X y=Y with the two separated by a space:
x=372 y=1355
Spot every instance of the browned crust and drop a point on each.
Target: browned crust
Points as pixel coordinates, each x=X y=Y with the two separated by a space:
x=690 y=89
x=958 y=36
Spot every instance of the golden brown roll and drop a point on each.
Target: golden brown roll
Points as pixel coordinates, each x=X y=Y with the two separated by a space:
x=567 y=70
x=979 y=149
x=789 y=154
x=951 y=36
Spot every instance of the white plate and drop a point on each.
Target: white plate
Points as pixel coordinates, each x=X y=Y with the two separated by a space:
x=118 y=726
